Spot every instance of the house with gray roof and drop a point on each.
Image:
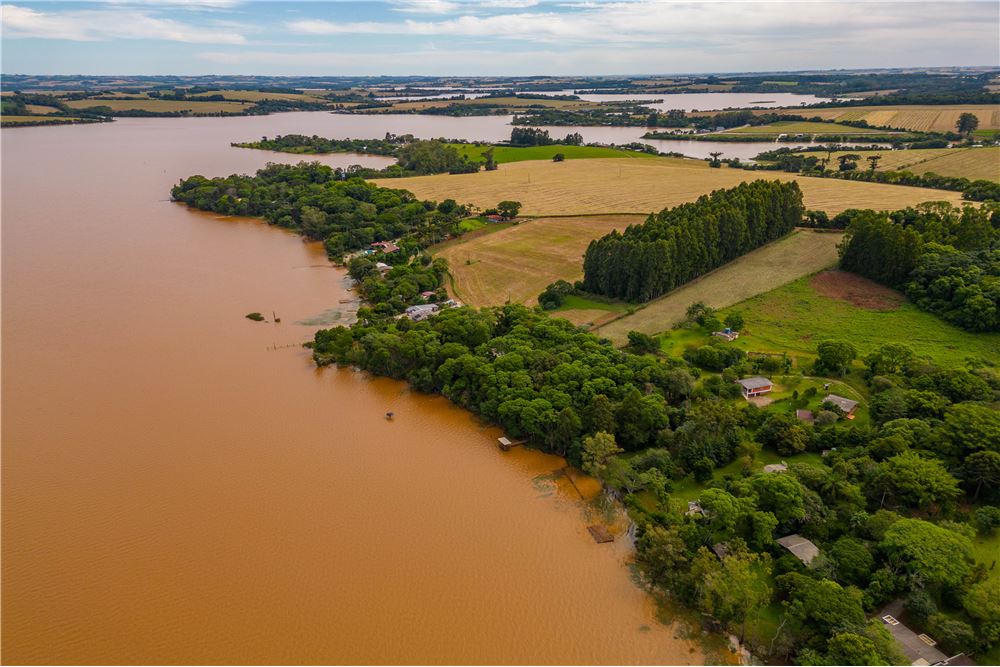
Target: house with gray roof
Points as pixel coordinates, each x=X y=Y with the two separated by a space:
x=755 y=386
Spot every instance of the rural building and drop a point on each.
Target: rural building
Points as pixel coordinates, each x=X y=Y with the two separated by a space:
x=800 y=547
x=385 y=246
x=727 y=334
x=919 y=649
x=421 y=312
x=721 y=549
x=428 y=294
x=805 y=416
x=845 y=404
x=754 y=386
x=383 y=267
x=494 y=218
x=776 y=467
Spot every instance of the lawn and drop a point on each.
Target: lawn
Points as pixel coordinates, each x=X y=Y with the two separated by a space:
x=795 y=317
x=972 y=163
x=517 y=262
x=641 y=186
x=775 y=264
x=503 y=154
x=801 y=127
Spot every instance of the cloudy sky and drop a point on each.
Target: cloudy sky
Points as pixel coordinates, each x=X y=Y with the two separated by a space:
x=495 y=37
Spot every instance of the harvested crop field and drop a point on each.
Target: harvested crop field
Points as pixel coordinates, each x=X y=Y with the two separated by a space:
x=801 y=127
x=929 y=118
x=796 y=255
x=972 y=163
x=519 y=261
x=161 y=106
x=641 y=186
x=856 y=290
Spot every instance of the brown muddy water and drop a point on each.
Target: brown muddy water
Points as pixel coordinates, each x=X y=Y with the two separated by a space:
x=181 y=485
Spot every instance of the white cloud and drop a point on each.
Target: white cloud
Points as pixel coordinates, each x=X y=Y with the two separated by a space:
x=653 y=21
x=426 y=6
x=92 y=25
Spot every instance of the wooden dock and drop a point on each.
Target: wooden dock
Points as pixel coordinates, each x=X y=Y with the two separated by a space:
x=506 y=445
x=600 y=534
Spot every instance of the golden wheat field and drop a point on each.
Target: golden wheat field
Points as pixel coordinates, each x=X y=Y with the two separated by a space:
x=641 y=186
x=972 y=163
x=921 y=118
x=161 y=106
x=776 y=264
x=517 y=262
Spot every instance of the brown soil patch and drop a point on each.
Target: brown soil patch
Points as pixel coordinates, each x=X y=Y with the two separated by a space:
x=856 y=290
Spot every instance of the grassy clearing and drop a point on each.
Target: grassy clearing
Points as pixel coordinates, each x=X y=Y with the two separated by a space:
x=40 y=109
x=580 y=310
x=517 y=262
x=796 y=255
x=972 y=163
x=641 y=186
x=795 y=317
x=161 y=106
x=929 y=118
x=800 y=127
x=504 y=154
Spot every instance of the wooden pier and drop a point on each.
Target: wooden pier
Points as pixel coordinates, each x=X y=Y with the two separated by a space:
x=506 y=445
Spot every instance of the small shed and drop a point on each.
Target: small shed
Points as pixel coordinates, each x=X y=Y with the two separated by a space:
x=383 y=267
x=776 y=467
x=800 y=547
x=727 y=334
x=720 y=549
x=845 y=404
x=755 y=386
x=805 y=416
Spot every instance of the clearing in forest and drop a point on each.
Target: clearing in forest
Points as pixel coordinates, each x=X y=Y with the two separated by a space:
x=577 y=187
x=799 y=254
x=517 y=262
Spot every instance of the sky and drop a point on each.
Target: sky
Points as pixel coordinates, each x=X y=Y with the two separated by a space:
x=490 y=37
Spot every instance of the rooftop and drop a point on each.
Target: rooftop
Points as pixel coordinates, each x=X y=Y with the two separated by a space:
x=919 y=649
x=755 y=382
x=845 y=404
x=800 y=547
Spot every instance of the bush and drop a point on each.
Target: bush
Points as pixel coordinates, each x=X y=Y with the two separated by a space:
x=256 y=317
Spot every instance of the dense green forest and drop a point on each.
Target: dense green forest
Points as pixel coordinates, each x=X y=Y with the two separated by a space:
x=316 y=145
x=945 y=259
x=679 y=244
x=324 y=205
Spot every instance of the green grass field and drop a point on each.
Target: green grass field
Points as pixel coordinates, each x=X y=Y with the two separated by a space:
x=504 y=154
x=801 y=127
x=795 y=317
x=798 y=254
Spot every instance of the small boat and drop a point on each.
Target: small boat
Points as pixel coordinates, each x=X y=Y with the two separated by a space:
x=389 y=415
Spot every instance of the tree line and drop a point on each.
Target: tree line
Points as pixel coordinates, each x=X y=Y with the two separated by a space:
x=681 y=243
x=324 y=205
x=944 y=258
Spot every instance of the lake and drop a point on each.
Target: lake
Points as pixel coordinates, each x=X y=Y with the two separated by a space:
x=182 y=485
